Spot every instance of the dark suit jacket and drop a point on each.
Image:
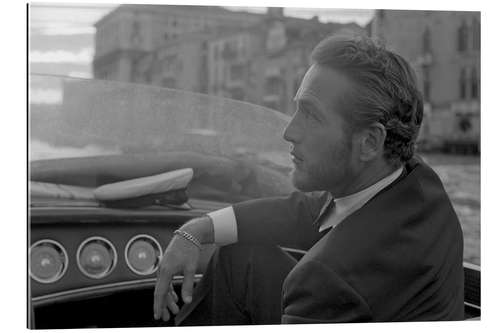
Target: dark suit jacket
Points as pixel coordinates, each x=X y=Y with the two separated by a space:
x=398 y=258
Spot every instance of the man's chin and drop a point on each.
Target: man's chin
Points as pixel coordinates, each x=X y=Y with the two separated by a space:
x=301 y=181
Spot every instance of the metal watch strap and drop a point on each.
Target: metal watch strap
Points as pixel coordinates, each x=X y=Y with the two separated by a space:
x=189 y=237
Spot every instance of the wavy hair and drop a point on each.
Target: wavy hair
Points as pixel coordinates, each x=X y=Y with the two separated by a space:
x=386 y=91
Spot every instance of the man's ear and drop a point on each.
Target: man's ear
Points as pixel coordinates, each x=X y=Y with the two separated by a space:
x=372 y=141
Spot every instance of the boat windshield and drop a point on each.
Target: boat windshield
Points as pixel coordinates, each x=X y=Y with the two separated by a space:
x=92 y=132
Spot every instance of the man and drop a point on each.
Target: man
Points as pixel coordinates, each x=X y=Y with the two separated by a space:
x=383 y=241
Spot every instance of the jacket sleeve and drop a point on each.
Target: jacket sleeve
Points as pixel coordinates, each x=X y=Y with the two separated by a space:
x=313 y=293
x=285 y=221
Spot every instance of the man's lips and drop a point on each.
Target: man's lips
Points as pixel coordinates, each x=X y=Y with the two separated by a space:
x=295 y=158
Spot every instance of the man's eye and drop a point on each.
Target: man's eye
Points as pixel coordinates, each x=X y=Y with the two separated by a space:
x=309 y=114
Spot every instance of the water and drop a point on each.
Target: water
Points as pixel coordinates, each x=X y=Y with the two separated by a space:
x=461 y=178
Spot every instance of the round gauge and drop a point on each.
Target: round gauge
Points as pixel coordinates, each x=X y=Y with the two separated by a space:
x=96 y=257
x=48 y=261
x=143 y=254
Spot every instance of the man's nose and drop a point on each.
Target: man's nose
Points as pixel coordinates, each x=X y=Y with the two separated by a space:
x=292 y=132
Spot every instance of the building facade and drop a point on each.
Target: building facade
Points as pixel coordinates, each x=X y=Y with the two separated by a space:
x=444 y=49
x=259 y=58
x=177 y=64
x=131 y=31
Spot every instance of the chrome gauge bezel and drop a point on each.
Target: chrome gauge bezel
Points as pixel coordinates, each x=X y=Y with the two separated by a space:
x=158 y=247
x=58 y=246
x=113 y=251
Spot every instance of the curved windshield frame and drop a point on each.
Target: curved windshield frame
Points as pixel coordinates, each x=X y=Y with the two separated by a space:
x=78 y=124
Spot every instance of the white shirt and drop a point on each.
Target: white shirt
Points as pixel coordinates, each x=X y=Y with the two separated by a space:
x=225 y=225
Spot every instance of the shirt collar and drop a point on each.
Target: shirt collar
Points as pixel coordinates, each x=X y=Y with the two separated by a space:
x=347 y=205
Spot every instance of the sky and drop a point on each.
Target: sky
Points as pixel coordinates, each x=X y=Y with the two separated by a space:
x=62 y=38
x=62 y=35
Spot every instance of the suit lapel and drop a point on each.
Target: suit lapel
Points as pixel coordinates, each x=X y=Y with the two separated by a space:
x=329 y=204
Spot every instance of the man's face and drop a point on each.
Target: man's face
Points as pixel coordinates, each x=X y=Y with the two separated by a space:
x=321 y=151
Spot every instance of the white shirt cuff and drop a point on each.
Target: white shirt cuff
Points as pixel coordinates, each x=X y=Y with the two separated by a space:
x=225 y=230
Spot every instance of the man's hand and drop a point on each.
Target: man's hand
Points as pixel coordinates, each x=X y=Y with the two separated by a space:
x=181 y=256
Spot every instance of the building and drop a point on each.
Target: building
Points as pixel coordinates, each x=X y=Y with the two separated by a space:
x=444 y=49
x=230 y=55
x=288 y=45
x=177 y=64
x=131 y=31
x=259 y=58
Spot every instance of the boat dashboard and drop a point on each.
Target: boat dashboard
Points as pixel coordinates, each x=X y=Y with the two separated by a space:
x=106 y=257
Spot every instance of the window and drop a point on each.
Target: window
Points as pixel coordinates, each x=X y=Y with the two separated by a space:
x=463 y=84
x=238 y=94
x=214 y=52
x=168 y=82
x=230 y=50
x=476 y=34
x=462 y=37
x=426 y=41
x=148 y=77
x=474 y=84
x=426 y=84
x=274 y=86
x=135 y=36
x=169 y=63
x=236 y=72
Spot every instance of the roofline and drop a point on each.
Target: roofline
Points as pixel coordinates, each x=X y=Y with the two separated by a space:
x=150 y=7
x=222 y=10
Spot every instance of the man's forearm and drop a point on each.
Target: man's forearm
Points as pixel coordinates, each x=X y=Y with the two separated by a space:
x=202 y=228
x=285 y=220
